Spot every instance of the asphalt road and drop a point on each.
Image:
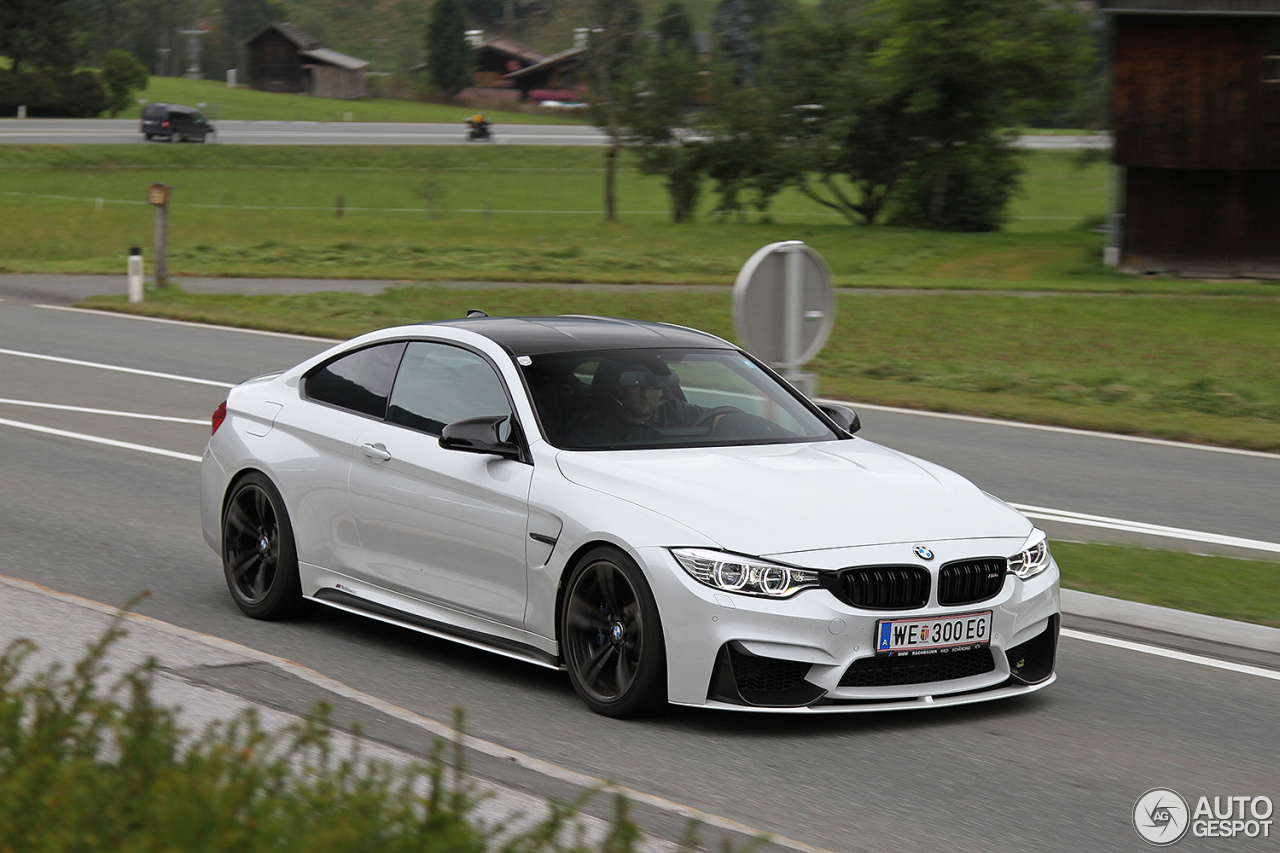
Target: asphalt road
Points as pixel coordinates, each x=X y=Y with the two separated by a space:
x=90 y=508
x=99 y=131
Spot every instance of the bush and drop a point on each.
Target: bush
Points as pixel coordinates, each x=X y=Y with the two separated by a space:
x=122 y=75
x=981 y=179
x=85 y=768
x=52 y=95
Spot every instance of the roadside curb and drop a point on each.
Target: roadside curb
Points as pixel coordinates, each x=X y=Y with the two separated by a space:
x=1180 y=623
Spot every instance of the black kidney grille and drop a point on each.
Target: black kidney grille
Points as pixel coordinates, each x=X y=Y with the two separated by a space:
x=883 y=587
x=971 y=580
x=892 y=671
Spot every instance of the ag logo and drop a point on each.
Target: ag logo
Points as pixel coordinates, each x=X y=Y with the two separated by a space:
x=1161 y=816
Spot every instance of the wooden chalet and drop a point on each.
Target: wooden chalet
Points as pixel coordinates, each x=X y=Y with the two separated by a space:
x=558 y=73
x=498 y=57
x=282 y=58
x=1197 y=136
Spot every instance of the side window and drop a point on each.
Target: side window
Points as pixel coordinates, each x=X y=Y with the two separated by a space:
x=439 y=384
x=359 y=381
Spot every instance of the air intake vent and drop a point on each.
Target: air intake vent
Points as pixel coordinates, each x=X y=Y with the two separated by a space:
x=881 y=587
x=893 y=671
x=971 y=581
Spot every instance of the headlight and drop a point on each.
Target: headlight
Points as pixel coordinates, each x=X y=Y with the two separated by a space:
x=733 y=573
x=1033 y=558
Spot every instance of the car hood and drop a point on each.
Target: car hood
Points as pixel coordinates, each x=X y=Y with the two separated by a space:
x=773 y=500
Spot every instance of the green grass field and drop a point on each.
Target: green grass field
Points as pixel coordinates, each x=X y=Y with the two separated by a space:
x=483 y=212
x=219 y=102
x=1244 y=590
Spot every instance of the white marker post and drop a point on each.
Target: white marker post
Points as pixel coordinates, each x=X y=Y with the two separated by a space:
x=135 y=274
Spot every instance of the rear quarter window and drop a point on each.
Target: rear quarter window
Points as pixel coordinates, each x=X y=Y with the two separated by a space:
x=359 y=381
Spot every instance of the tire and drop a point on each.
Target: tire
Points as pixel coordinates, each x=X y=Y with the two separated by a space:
x=258 y=554
x=611 y=636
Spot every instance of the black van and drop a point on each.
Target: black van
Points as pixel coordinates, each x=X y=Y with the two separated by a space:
x=175 y=123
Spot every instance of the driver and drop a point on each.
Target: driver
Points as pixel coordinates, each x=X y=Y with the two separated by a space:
x=635 y=406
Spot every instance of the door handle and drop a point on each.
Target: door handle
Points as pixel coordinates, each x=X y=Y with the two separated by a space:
x=376 y=452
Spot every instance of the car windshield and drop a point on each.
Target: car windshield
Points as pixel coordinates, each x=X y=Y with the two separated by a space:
x=630 y=399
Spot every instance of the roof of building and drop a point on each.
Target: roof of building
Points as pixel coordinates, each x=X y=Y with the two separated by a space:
x=332 y=57
x=304 y=41
x=512 y=48
x=552 y=60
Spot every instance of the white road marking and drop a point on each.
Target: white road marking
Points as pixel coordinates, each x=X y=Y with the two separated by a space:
x=110 y=412
x=1083 y=433
x=115 y=368
x=95 y=439
x=1172 y=654
x=1140 y=527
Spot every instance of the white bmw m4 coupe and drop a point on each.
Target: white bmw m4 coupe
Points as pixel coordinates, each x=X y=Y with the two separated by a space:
x=645 y=506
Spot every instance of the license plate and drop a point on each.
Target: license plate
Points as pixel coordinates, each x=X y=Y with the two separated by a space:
x=933 y=635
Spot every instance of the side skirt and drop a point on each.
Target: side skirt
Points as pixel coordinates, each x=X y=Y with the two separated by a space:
x=363 y=607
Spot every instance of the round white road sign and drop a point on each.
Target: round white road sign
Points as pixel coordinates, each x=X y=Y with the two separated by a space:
x=783 y=304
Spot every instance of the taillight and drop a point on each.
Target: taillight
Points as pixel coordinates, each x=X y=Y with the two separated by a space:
x=219 y=415
x=164 y=123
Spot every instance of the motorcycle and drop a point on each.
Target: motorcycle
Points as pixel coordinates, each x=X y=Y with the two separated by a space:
x=478 y=131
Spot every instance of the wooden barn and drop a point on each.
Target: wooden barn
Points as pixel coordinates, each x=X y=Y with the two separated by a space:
x=497 y=57
x=556 y=74
x=1197 y=136
x=282 y=58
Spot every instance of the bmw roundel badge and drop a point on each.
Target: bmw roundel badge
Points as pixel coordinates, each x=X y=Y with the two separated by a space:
x=923 y=553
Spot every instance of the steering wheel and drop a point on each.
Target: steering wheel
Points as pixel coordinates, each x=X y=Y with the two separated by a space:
x=712 y=416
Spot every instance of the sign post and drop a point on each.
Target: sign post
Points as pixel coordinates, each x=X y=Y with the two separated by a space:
x=784 y=308
x=158 y=196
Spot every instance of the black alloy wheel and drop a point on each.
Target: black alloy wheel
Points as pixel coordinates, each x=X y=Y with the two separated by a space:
x=258 y=555
x=612 y=636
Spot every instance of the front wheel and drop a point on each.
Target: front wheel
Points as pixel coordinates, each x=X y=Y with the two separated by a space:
x=258 y=554
x=611 y=636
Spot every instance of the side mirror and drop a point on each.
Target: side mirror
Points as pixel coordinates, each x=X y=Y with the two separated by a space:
x=488 y=434
x=845 y=417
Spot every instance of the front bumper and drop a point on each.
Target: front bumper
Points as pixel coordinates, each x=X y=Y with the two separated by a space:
x=813 y=653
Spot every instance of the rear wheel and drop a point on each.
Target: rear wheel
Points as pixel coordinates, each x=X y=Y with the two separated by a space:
x=258 y=554
x=611 y=636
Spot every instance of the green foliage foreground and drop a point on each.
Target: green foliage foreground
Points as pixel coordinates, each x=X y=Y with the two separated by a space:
x=88 y=767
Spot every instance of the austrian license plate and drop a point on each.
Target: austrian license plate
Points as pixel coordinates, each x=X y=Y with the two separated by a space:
x=933 y=635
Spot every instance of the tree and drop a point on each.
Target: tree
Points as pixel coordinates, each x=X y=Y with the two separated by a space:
x=841 y=125
x=734 y=30
x=449 y=57
x=675 y=30
x=122 y=75
x=662 y=82
x=39 y=35
x=970 y=70
x=611 y=49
